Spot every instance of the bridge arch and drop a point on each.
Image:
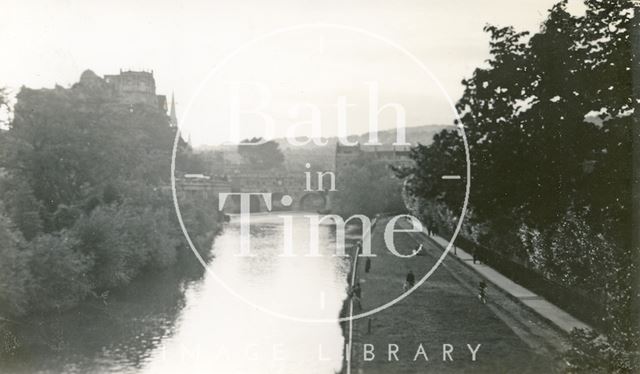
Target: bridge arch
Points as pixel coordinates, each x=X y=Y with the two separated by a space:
x=276 y=202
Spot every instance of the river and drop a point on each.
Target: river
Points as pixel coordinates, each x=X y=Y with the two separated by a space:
x=244 y=315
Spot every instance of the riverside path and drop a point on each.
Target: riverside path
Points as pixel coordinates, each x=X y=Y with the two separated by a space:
x=442 y=327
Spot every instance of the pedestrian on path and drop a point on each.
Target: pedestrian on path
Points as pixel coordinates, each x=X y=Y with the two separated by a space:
x=356 y=294
x=482 y=295
x=104 y=296
x=367 y=265
x=411 y=278
x=409 y=281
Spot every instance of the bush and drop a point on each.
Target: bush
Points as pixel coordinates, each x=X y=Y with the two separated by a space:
x=14 y=275
x=149 y=234
x=569 y=251
x=99 y=236
x=367 y=187
x=59 y=272
x=201 y=220
x=64 y=217
x=592 y=353
x=22 y=207
x=123 y=240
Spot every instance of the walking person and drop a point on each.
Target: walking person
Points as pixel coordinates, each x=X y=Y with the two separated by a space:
x=410 y=281
x=104 y=296
x=482 y=295
x=356 y=294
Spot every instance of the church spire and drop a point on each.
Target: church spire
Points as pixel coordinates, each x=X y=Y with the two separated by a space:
x=173 y=118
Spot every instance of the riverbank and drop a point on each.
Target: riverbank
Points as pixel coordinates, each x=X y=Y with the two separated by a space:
x=441 y=326
x=48 y=330
x=348 y=304
x=91 y=336
x=169 y=324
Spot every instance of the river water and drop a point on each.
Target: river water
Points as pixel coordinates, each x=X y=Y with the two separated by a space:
x=244 y=315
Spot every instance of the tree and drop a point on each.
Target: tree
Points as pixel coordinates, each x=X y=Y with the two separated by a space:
x=366 y=187
x=81 y=176
x=261 y=154
x=5 y=109
x=14 y=274
x=533 y=153
x=554 y=253
x=59 y=272
x=549 y=127
x=68 y=143
x=22 y=206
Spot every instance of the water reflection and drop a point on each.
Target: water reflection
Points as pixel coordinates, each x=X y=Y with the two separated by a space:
x=169 y=323
x=114 y=337
x=222 y=333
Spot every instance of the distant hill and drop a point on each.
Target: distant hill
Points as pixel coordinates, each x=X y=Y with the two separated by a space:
x=414 y=135
x=323 y=156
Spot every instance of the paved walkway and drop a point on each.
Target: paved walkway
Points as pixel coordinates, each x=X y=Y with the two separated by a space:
x=537 y=303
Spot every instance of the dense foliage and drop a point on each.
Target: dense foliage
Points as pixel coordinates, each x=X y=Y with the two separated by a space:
x=548 y=122
x=84 y=205
x=260 y=153
x=368 y=187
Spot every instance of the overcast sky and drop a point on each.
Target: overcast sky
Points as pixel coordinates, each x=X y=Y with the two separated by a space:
x=49 y=42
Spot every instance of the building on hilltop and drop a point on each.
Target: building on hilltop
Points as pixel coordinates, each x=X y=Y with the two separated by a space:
x=128 y=88
x=136 y=87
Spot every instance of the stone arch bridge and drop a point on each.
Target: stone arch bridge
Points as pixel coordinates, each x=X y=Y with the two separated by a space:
x=288 y=191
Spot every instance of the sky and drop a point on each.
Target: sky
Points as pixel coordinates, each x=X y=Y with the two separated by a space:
x=412 y=54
